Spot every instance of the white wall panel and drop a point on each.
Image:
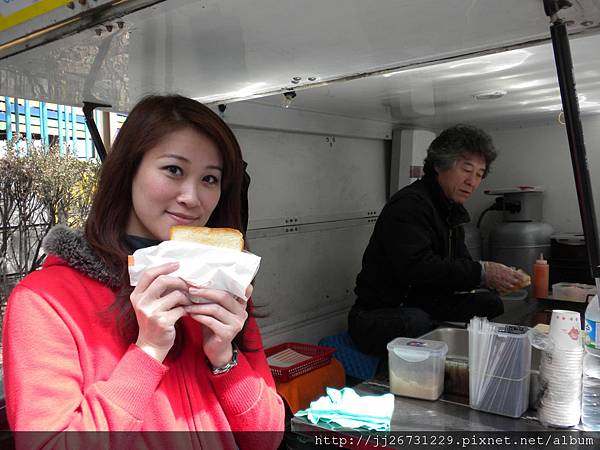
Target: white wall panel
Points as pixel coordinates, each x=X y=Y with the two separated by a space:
x=539 y=155
x=307 y=275
x=296 y=174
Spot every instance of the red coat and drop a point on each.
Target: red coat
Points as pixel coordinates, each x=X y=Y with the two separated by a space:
x=65 y=368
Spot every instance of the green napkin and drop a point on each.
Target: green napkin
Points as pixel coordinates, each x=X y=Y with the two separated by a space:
x=346 y=409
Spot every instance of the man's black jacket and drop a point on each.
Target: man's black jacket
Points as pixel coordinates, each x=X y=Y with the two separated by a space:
x=417 y=252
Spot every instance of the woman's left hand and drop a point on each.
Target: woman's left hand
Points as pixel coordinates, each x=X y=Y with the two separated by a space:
x=223 y=318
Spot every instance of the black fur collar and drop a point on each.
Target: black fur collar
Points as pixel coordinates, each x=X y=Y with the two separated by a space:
x=72 y=247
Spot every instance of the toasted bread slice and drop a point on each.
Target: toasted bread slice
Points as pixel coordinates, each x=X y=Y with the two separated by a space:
x=218 y=237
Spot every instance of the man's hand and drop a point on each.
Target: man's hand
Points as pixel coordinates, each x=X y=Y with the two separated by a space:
x=501 y=278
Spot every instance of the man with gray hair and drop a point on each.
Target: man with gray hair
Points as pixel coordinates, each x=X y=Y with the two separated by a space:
x=416 y=270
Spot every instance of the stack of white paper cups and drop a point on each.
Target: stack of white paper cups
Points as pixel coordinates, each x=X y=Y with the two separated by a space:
x=560 y=372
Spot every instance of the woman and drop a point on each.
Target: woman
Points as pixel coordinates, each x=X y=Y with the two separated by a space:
x=85 y=351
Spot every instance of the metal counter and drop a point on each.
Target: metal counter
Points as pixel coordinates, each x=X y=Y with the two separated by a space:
x=453 y=413
x=445 y=414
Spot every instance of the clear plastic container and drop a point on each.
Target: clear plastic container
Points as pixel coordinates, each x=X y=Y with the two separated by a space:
x=574 y=292
x=505 y=396
x=499 y=367
x=417 y=367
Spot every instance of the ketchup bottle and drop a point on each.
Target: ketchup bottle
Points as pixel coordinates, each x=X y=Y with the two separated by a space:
x=541 y=273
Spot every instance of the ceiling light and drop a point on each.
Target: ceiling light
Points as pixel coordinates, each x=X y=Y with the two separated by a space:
x=490 y=95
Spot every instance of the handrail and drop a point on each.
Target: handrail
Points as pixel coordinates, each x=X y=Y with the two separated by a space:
x=88 y=109
x=566 y=80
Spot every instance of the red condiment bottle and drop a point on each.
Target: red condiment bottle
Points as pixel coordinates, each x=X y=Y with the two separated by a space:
x=541 y=274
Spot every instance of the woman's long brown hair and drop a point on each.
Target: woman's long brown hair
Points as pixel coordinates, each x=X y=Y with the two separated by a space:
x=154 y=118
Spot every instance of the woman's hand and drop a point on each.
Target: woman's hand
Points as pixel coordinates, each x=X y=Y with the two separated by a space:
x=502 y=278
x=158 y=301
x=223 y=318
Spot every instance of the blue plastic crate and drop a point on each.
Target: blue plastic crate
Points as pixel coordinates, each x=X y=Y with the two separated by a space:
x=356 y=363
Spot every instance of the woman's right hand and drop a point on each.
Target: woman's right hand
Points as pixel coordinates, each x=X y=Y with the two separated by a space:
x=158 y=302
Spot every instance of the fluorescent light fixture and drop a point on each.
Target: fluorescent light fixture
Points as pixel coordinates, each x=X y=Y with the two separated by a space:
x=490 y=95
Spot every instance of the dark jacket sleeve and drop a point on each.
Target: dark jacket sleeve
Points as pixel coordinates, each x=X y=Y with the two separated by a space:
x=462 y=251
x=416 y=244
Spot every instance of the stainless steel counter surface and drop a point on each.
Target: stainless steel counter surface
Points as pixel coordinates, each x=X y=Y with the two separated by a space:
x=453 y=413
x=445 y=414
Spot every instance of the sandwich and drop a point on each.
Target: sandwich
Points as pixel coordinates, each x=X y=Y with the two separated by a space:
x=219 y=263
x=217 y=237
x=525 y=279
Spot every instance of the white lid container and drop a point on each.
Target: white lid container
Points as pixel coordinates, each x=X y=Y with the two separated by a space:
x=417 y=367
x=575 y=292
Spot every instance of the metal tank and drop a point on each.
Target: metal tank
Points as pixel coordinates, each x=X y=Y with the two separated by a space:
x=522 y=236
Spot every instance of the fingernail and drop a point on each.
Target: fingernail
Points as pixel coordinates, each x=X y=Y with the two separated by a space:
x=195 y=291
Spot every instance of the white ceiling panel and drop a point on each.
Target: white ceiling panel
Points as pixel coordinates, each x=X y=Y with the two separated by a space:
x=230 y=50
x=442 y=94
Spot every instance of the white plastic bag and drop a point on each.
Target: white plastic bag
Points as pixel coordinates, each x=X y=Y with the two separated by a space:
x=200 y=265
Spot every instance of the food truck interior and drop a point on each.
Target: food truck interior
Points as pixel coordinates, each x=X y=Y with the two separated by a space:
x=334 y=104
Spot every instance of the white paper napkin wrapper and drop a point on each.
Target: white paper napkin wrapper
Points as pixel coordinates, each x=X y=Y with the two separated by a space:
x=201 y=265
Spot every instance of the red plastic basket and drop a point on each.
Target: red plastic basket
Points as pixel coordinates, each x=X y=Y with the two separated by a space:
x=319 y=357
